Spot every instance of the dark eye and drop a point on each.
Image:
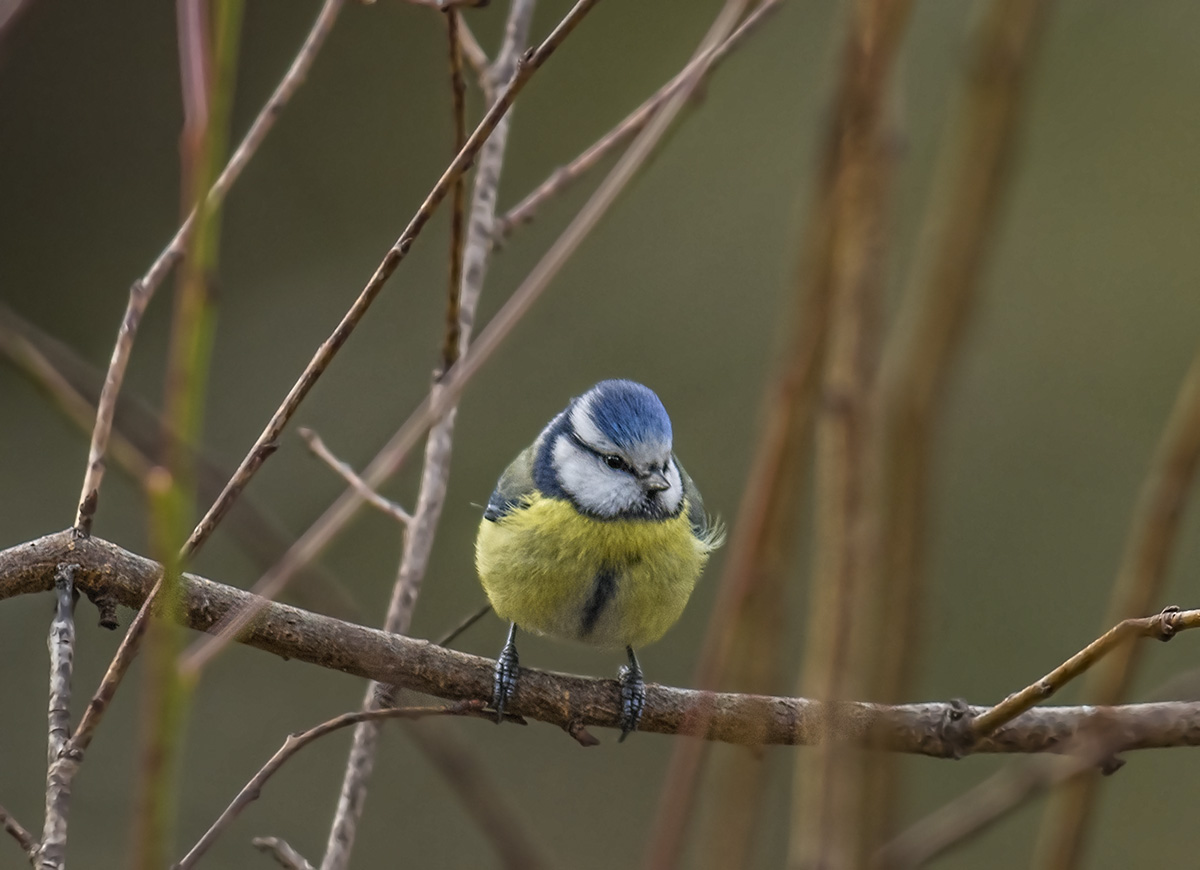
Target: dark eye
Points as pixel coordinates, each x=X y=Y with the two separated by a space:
x=614 y=461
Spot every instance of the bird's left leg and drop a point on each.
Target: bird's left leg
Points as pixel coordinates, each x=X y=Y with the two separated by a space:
x=633 y=694
x=504 y=682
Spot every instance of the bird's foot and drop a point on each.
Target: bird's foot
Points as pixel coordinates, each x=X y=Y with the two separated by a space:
x=504 y=682
x=633 y=695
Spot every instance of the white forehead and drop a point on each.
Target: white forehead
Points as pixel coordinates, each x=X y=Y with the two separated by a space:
x=651 y=452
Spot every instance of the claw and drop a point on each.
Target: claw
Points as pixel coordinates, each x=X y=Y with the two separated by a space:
x=633 y=695
x=504 y=683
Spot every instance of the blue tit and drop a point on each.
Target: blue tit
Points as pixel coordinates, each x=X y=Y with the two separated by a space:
x=595 y=533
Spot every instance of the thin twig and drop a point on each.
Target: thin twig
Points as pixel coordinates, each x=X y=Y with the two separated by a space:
x=475 y=57
x=458 y=102
x=53 y=852
x=450 y=636
x=931 y=729
x=283 y=853
x=25 y=840
x=126 y=653
x=264 y=446
x=451 y=5
x=485 y=194
x=348 y=474
x=467 y=272
x=1153 y=532
x=1162 y=626
x=27 y=357
x=294 y=743
x=701 y=64
x=144 y=288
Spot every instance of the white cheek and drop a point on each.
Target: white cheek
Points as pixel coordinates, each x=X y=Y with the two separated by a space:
x=595 y=487
x=674 y=493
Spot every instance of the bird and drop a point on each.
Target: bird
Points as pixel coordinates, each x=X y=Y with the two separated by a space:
x=596 y=534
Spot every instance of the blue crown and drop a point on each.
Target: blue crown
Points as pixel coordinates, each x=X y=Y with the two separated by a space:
x=628 y=413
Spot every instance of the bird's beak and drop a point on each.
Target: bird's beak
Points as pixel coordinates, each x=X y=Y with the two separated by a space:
x=655 y=481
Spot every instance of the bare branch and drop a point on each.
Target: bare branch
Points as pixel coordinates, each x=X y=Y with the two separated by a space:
x=487 y=177
x=265 y=445
x=144 y=288
x=567 y=701
x=458 y=102
x=29 y=358
x=126 y=652
x=25 y=840
x=701 y=64
x=294 y=743
x=59 y=765
x=475 y=57
x=449 y=637
x=348 y=474
x=1153 y=532
x=1162 y=626
x=283 y=853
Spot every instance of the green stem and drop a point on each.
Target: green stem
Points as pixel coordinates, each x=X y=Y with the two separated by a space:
x=172 y=487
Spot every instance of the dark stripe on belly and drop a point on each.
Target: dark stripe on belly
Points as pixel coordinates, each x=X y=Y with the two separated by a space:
x=604 y=587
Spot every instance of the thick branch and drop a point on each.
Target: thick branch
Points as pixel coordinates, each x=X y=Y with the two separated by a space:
x=566 y=700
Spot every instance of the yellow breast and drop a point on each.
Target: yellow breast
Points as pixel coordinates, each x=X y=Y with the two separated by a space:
x=555 y=572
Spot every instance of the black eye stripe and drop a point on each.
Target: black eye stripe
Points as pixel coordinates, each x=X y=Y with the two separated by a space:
x=614 y=461
x=610 y=459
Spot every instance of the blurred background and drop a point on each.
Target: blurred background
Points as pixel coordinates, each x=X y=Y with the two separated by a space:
x=1087 y=322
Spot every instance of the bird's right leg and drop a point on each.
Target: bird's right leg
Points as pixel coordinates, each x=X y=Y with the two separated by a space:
x=504 y=683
